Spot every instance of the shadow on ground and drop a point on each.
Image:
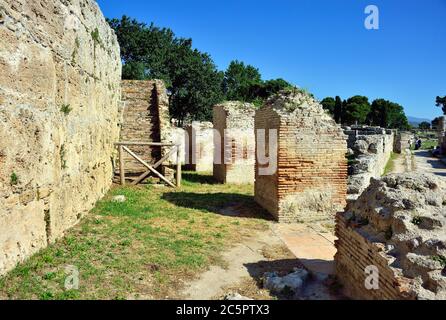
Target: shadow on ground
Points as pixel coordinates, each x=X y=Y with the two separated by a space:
x=199 y=178
x=225 y=204
x=315 y=288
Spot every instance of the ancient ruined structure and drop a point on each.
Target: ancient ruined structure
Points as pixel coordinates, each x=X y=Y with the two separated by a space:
x=200 y=146
x=370 y=151
x=145 y=119
x=442 y=135
x=59 y=113
x=310 y=182
x=403 y=141
x=234 y=142
x=397 y=227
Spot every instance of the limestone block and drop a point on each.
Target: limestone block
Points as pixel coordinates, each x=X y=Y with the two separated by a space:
x=59 y=116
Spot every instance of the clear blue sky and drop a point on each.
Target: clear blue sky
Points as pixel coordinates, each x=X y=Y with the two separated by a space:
x=320 y=45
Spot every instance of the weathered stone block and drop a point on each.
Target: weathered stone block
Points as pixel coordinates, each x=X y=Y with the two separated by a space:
x=59 y=113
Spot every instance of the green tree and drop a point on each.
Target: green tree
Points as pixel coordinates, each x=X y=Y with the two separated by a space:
x=192 y=78
x=441 y=102
x=424 y=125
x=241 y=82
x=387 y=114
x=356 y=110
x=329 y=104
x=338 y=109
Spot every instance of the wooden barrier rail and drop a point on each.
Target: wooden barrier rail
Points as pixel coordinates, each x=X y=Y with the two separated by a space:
x=124 y=146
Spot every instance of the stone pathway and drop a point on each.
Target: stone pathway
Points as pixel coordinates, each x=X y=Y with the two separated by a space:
x=425 y=162
x=404 y=162
x=314 y=248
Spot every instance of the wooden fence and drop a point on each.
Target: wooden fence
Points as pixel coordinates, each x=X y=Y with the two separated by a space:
x=125 y=147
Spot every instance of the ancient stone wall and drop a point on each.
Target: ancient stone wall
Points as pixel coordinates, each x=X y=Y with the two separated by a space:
x=370 y=150
x=403 y=141
x=145 y=119
x=200 y=146
x=310 y=182
x=442 y=135
x=395 y=228
x=59 y=113
x=234 y=143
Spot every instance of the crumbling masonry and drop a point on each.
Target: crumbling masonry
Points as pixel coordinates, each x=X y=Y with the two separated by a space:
x=397 y=231
x=310 y=182
x=370 y=149
x=234 y=143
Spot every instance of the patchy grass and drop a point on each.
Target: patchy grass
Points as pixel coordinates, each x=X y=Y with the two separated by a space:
x=390 y=166
x=144 y=248
x=429 y=144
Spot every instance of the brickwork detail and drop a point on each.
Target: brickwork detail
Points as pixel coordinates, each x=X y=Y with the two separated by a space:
x=397 y=225
x=145 y=119
x=311 y=178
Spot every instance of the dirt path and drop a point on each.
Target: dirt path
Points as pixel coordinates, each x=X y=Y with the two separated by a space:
x=403 y=163
x=425 y=162
x=241 y=262
x=272 y=251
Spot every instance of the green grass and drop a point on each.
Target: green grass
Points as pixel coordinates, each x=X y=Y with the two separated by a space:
x=429 y=144
x=390 y=166
x=143 y=248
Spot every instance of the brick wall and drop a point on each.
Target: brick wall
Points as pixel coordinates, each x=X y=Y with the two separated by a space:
x=311 y=179
x=354 y=254
x=234 y=121
x=145 y=119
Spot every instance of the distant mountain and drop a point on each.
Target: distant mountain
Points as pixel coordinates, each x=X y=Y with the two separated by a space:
x=416 y=121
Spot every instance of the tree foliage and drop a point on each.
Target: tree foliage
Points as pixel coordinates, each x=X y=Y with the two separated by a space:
x=424 y=125
x=329 y=105
x=244 y=83
x=387 y=114
x=441 y=102
x=192 y=78
x=338 y=109
x=358 y=110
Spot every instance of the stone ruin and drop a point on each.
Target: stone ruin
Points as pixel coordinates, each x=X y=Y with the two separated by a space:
x=199 y=143
x=59 y=112
x=370 y=149
x=145 y=119
x=398 y=226
x=403 y=141
x=442 y=135
x=234 y=142
x=310 y=182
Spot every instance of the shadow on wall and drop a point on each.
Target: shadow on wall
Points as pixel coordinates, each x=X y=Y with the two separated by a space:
x=225 y=204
